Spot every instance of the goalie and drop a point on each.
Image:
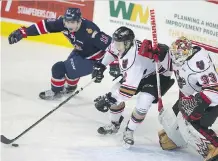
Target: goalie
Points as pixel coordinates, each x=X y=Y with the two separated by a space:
x=197 y=107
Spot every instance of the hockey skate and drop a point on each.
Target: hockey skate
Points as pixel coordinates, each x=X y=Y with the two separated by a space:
x=69 y=89
x=113 y=128
x=50 y=95
x=128 y=139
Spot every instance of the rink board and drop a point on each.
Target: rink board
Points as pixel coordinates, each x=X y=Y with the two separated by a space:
x=53 y=38
x=15 y=14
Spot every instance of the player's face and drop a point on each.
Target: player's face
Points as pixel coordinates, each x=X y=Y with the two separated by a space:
x=72 y=26
x=120 y=47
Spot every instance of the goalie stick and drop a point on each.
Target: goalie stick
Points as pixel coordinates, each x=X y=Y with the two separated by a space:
x=166 y=117
x=5 y=140
x=155 y=44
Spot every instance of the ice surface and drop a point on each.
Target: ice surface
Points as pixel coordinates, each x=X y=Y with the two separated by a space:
x=70 y=133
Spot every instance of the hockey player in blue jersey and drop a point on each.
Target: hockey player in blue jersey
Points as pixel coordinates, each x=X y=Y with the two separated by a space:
x=89 y=47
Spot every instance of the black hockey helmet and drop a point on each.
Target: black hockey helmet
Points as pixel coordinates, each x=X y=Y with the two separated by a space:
x=123 y=34
x=72 y=14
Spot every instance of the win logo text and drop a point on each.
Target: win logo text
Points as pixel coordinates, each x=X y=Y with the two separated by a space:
x=129 y=11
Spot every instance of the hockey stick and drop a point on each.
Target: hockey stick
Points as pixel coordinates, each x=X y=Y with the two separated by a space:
x=168 y=121
x=5 y=140
x=155 y=43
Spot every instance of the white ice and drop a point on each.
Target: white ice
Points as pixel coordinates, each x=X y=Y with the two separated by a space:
x=70 y=133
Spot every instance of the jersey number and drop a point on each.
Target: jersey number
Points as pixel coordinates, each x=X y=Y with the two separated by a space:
x=104 y=39
x=211 y=77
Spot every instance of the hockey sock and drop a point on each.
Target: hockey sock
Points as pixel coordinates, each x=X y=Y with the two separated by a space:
x=116 y=112
x=71 y=82
x=136 y=119
x=57 y=84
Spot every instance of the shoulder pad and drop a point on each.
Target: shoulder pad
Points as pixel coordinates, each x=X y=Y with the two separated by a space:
x=200 y=61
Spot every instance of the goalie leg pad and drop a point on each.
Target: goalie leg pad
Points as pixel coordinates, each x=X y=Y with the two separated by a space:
x=176 y=108
x=193 y=138
x=213 y=154
x=165 y=142
x=169 y=122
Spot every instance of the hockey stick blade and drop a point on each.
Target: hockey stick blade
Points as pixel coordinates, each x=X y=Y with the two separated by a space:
x=5 y=140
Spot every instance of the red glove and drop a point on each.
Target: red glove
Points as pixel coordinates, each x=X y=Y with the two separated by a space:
x=159 y=52
x=146 y=49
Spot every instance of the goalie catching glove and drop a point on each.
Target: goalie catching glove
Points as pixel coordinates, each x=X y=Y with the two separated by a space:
x=193 y=107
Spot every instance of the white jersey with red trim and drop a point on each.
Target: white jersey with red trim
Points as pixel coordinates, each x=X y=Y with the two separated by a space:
x=134 y=68
x=198 y=74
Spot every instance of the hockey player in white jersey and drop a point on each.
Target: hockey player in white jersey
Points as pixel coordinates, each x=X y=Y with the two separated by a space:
x=197 y=107
x=138 y=78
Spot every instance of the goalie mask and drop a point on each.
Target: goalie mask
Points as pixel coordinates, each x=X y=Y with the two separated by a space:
x=180 y=50
x=123 y=40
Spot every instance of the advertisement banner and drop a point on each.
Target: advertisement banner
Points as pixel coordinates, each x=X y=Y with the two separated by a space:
x=36 y=10
x=133 y=14
x=173 y=19
x=198 y=24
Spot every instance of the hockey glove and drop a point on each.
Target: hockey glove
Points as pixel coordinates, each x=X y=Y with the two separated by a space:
x=17 y=35
x=103 y=103
x=98 y=71
x=193 y=107
x=146 y=49
x=114 y=69
x=158 y=52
